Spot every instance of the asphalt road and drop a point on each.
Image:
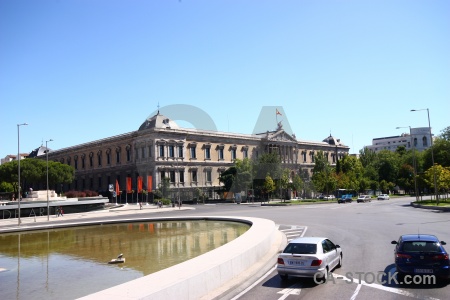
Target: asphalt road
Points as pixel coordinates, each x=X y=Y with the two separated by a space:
x=363 y=230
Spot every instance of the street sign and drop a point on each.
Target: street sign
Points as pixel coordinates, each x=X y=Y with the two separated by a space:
x=114 y=194
x=111 y=187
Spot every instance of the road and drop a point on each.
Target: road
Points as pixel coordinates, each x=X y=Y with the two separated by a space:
x=363 y=230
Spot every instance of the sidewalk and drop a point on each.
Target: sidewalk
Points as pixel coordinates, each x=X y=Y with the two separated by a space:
x=35 y=222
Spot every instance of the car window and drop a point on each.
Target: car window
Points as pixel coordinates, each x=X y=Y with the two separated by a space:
x=325 y=246
x=330 y=244
x=421 y=246
x=297 y=248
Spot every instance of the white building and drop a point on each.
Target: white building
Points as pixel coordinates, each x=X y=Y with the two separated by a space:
x=12 y=157
x=418 y=138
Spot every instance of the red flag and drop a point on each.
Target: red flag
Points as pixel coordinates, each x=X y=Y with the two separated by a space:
x=128 y=184
x=139 y=184
x=278 y=113
x=149 y=183
x=117 y=188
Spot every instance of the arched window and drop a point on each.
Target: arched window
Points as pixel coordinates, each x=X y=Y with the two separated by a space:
x=424 y=141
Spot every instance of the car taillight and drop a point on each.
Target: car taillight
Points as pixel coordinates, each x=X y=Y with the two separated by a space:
x=280 y=261
x=440 y=257
x=316 y=262
x=401 y=255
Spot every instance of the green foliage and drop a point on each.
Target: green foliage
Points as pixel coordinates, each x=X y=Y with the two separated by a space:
x=269 y=185
x=34 y=171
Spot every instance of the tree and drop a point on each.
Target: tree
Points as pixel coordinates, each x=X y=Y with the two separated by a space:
x=269 y=185
x=442 y=177
x=266 y=164
x=445 y=134
x=33 y=172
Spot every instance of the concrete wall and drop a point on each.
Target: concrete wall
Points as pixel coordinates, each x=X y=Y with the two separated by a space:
x=200 y=276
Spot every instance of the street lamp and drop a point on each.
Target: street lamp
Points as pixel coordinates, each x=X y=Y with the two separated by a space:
x=48 y=206
x=432 y=155
x=18 y=161
x=414 y=160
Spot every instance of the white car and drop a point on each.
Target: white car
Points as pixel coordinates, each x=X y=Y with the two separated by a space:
x=364 y=198
x=309 y=257
x=383 y=197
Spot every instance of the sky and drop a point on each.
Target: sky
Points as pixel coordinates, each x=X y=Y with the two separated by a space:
x=81 y=70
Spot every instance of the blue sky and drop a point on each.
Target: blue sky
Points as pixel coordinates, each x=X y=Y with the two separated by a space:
x=78 y=71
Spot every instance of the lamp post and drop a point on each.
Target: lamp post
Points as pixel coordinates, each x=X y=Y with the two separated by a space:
x=432 y=155
x=414 y=160
x=18 y=168
x=48 y=206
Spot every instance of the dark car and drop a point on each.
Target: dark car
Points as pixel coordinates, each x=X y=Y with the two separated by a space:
x=346 y=199
x=421 y=254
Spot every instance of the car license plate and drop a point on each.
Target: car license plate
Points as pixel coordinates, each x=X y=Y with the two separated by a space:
x=424 y=271
x=296 y=263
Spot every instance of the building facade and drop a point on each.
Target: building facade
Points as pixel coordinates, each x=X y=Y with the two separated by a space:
x=418 y=138
x=190 y=158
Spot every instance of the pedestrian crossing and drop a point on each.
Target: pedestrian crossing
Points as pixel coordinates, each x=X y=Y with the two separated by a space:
x=292 y=231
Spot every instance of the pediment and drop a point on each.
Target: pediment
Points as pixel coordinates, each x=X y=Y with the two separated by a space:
x=281 y=136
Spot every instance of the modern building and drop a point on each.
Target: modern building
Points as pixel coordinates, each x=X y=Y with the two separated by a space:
x=192 y=159
x=418 y=138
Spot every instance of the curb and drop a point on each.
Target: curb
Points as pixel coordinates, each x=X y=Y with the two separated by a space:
x=444 y=209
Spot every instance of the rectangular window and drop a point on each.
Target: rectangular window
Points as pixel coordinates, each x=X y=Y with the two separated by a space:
x=208 y=153
x=172 y=176
x=193 y=152
x=76 y=164
x=161 y=151
x=163 y=175
x=99 y=160
x=117 y=157
x=245 y=153
x=82 y=162
x=108 y=158
x=128 y=154
x=137 y=153
x=150 y=151
x=180 y=151
x=143 y=152
x=181 y=176
x=233 y=153
x=171 y=151
x=194 y=176
x=304 y=156
x=208 y=176
x=91 y=161
x=220 y=153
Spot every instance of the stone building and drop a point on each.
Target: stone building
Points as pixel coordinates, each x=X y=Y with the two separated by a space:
x=190 y=158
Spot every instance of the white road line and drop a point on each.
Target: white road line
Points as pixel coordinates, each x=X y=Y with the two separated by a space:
x=355 y=293
x=292 y=290
x=254 y=284
x=380 y=287
x=262 y=277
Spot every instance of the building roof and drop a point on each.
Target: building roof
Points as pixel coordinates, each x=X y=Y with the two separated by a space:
x=158 y=121
x=39 y=151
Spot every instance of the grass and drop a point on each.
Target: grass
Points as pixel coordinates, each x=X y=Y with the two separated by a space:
x=442 y=202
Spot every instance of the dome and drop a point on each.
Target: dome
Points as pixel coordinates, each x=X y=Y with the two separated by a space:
x=39 y=151
x=158 y=121
x=333 y=141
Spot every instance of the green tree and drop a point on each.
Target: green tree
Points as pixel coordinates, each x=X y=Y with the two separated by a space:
x=34 y=172
x=269 y=186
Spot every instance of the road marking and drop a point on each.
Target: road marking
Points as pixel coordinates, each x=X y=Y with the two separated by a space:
x=380 y=287
x=254 y=284
x=355 y=293
x=292 y=290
